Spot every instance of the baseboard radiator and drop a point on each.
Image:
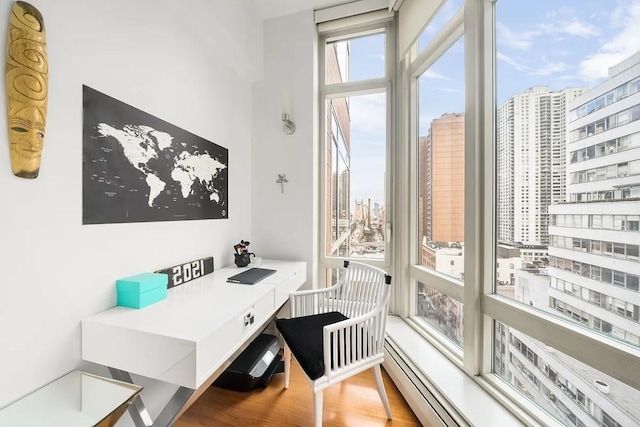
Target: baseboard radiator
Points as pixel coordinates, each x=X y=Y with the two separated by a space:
x=413 y=385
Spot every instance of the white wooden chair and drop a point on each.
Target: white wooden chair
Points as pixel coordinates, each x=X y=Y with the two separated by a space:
x=339 y=331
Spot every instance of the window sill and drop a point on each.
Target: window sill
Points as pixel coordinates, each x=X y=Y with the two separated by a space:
x=462 y=399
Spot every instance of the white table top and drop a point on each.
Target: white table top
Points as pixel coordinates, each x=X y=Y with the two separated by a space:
x=190 y=309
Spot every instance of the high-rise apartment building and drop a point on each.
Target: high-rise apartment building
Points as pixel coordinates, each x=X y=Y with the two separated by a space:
x=441 y=219
x=442 y=179
x=594 y=260
x=595 y=236
x=505 y=141
x=531 y=160
x=423 y=157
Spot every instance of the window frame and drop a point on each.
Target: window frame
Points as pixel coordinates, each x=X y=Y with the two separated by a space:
x=326 y=91
x=418 y=64
x=481 y=306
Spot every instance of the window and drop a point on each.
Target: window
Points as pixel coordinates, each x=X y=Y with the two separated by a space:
x=355 y=90
x=553 y=215
x=440 y=312
x=438 y=87
x=346 y=60
x=356 y=157
x=577 y=236
x=529 y=369
x=440 y=146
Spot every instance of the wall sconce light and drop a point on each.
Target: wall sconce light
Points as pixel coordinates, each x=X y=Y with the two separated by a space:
x=287 y=125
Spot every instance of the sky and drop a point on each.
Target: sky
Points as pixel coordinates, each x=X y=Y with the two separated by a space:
x=557 y=43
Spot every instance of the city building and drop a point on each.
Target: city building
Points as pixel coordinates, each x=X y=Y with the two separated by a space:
x=593 y=272
x=447 y=258
x=595 y=235
x=442 y=179
x=511 y=258
x=423 y=156
x=531 y=157
x=569 y=390
x=338 y=155
x=441 y=219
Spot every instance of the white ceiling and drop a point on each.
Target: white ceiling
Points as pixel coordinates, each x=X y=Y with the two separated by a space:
x=268 y=9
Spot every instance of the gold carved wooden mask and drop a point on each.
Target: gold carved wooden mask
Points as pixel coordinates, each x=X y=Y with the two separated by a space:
x=26 y=77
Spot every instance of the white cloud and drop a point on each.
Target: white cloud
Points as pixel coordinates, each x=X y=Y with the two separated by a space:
x=560 y=22
x=622 y=45
x=561 y=12
x=430 y=74
x=543 y=66
x=549 y=68
x=368 y=113
x=572 y=27
x=564 y=21
x=576 y=27
x=514 y=63
x=515 y=40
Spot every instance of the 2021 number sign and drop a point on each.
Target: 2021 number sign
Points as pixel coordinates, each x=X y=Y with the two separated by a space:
x=183 y=273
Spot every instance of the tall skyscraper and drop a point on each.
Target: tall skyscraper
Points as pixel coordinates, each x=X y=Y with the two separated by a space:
x=531 y=160
x=444 y=179
x=423 y=159
x=595 y=236
x=594 y=259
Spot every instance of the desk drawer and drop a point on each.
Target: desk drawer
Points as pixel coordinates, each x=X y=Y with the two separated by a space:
x=292 y=283
x=224 y=341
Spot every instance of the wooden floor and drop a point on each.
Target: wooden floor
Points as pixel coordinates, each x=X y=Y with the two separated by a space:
x=354 y=402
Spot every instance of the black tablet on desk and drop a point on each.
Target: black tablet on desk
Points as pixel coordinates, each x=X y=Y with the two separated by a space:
x=251 y=276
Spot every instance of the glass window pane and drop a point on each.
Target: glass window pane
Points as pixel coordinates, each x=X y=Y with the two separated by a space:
x=356 y=213
x=355 y=59
x=440 y=312
x=571 y=391
x=446 y=12
x=441 y=164
x=538 y=186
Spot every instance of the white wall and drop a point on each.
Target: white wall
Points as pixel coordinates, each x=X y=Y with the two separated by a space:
x=284 y=223
x=191 y=63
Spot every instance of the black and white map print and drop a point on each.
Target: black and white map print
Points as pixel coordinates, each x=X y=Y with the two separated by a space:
x=138 y=168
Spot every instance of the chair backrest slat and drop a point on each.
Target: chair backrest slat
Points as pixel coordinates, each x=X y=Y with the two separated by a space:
x=361 y=291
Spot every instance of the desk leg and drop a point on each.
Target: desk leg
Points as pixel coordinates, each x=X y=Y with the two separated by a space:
x=169 y=413
x=138 y=411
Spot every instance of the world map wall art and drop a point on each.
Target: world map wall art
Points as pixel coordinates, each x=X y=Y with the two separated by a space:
x=139 y=168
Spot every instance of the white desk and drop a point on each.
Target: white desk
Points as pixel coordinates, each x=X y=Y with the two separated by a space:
x=190 y=336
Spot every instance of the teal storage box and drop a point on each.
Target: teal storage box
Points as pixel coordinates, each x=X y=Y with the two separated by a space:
x=142 y=289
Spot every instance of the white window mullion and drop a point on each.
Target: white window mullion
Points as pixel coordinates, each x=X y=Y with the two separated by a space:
x=485 y=16
x=405 y=188
x=365 y=87
x=439 y=45
x=438 y=281
x=475 y=215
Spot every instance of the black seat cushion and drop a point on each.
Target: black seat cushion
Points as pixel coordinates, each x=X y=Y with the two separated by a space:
x=304 y=337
